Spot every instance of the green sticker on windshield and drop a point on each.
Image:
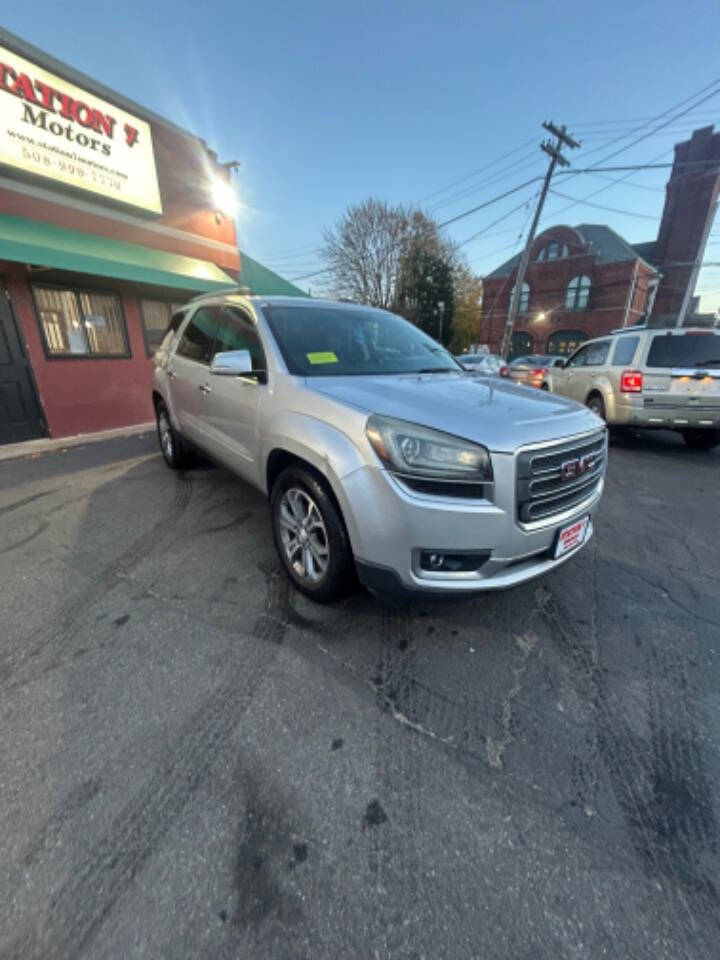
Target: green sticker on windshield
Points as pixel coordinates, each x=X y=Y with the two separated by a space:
x=323 y=357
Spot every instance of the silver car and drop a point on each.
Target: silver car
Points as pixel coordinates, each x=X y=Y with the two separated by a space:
x=647 y=377
x=382 y=460
x=487 y=364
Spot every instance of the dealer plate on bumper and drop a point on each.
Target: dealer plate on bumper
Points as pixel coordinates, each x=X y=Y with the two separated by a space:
x=571 y=537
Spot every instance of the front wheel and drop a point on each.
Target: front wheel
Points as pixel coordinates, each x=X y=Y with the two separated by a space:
x=701 y=439
x=310 y=535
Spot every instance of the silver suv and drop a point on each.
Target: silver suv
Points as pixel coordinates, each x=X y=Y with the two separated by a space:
x=643 y=377
x=381 y=457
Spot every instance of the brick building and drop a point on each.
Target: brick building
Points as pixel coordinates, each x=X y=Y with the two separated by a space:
x=586 y=280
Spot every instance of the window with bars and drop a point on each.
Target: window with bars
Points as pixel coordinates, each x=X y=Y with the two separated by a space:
x=81 y=323
x=156 y=316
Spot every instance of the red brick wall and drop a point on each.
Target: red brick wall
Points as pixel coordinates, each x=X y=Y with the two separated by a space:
x=611 y=284
x=691 y=194
x=84 y=394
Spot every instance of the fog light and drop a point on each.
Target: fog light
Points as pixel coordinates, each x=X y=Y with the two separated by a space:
x=438 y=562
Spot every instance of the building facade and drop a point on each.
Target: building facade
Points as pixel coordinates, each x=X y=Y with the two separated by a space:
x=110 y=216
x=585 y=281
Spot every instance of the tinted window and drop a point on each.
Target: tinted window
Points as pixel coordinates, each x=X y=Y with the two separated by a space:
x=197 y=340
x=597 y=354
x=625 y=351
x=236 y=331
x=579 y=358
x=319 y=341
x=684 y=350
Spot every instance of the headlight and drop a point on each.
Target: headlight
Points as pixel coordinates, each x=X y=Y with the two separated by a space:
x=411 y=450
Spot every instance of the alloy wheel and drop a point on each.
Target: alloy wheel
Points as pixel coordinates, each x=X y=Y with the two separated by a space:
x=303 y=535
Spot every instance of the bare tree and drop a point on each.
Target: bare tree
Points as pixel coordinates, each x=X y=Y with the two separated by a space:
x=364 y=250
x=373 y=251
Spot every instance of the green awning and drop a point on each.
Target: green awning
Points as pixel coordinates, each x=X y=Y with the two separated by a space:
x=45 y=245
x=265 y=282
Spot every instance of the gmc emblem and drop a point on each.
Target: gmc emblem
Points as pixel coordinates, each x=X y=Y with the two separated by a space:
x=576 y=468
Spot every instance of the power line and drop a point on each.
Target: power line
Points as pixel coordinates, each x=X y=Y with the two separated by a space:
x=488 y=203
x=600 y=206
x=494 y=223
x=306 y=276
x=515 y=168
x=474 y=173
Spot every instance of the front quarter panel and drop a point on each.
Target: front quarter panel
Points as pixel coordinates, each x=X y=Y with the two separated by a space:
x=335 y=446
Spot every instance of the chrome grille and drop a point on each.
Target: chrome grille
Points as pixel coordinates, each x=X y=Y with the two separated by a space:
x=546 y=485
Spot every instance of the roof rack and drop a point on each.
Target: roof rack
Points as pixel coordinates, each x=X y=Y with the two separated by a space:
x=222 y=292
x=637 y=326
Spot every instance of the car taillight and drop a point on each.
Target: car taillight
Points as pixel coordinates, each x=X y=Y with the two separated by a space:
x=504 y=372
x=631 y=381
x=539 y=371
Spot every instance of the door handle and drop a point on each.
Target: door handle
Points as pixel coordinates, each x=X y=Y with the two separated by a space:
x=204 y=389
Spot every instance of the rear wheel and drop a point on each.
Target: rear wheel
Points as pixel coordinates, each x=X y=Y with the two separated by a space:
x=596 y=404
x=701 y=439
x=310 y=535
x=173 y=449
x=544 y=386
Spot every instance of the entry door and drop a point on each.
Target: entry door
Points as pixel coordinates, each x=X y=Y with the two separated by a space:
x=20 y=414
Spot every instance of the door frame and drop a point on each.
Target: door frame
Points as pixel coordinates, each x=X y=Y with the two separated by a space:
x=24 y=358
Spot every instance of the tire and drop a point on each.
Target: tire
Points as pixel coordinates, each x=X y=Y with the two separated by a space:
x=172 y=447
x=596 y=403
x=544 y=386
x=310 y=535
x=701 y=439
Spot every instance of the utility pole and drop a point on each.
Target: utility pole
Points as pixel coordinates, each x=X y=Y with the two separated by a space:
x=553 y=150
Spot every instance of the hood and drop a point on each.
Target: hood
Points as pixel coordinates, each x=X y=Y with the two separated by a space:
x=489 y=410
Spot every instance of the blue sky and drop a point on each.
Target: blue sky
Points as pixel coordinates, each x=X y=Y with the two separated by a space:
x=327 y=103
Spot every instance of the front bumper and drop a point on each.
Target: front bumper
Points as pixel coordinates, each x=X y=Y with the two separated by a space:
x=391 y=525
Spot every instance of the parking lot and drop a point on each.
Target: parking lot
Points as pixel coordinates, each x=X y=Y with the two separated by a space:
x=198 y=762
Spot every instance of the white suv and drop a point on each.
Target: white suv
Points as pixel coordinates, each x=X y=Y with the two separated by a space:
x=643 y=377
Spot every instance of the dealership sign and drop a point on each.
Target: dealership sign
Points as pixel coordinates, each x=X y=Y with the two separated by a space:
x=52 y=129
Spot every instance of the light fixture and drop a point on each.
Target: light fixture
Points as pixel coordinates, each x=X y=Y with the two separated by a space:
x=223 y=197
x=541 y=316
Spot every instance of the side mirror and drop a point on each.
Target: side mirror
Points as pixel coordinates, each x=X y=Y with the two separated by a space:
x=232 y=363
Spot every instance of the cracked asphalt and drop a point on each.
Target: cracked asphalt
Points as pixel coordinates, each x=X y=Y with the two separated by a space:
x=197 y=762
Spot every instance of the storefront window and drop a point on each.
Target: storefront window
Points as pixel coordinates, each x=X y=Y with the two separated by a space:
x=156 y=316
x=77 y=323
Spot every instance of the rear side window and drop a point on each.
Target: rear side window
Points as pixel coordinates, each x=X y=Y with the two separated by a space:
x=625 y=351
x=198 y=338
x=684 y=350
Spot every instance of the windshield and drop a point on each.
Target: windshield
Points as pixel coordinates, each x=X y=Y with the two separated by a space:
x=321 y=341
x=684 y=350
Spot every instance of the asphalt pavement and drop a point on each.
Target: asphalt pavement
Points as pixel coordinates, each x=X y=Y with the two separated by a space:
x=198 y=762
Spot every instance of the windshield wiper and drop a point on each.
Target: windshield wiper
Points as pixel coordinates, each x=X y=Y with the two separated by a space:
x=706 y=363
x=438 y=370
